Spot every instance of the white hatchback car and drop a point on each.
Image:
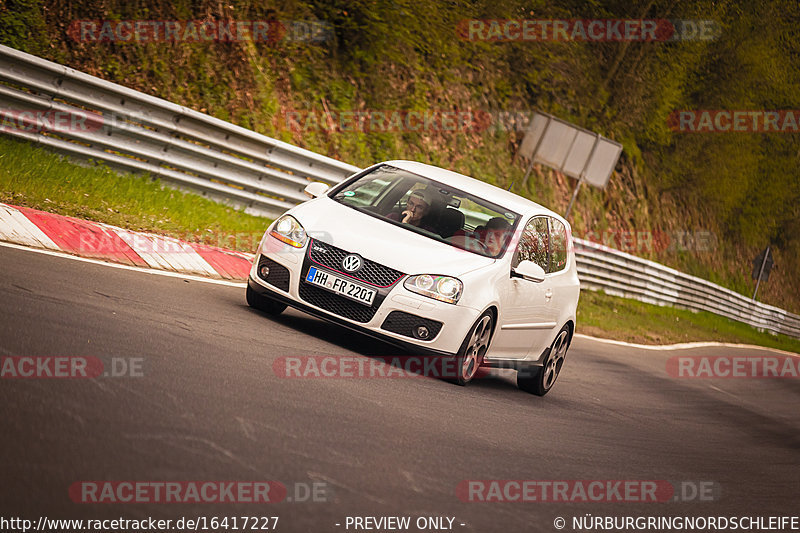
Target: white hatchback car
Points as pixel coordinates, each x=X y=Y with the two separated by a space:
x=433 y=261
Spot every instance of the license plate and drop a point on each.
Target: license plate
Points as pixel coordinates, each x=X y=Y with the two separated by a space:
x=344 y=287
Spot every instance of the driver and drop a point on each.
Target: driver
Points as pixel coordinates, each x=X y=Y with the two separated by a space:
x=417 y=206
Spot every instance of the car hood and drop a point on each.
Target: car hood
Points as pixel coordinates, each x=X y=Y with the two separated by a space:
x=382 y=241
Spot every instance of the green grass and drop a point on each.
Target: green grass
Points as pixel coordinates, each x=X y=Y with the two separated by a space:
x=33 y=177
x=602 y=315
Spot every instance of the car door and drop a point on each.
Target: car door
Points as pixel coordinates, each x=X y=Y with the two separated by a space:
x=526 y=319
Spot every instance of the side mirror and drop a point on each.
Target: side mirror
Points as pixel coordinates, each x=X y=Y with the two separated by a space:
x=315 y=188
x=528 y=270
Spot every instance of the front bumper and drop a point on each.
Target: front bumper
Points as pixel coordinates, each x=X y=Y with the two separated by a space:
x=393 y=316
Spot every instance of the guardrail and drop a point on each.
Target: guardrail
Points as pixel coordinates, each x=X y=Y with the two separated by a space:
x=137 y=132
x=622 y=274
x=188 y=149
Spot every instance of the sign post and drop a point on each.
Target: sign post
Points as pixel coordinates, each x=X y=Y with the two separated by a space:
x=765 y=260
x=582 y=177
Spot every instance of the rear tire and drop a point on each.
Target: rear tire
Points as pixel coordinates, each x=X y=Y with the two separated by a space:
x=263 y=303
x=470 y=356
x=539 y=380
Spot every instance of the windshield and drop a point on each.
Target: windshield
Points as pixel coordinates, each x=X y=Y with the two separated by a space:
x=432 y=209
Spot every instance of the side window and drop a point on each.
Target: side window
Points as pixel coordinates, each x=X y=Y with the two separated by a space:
x=558 y=246
x=533 y=244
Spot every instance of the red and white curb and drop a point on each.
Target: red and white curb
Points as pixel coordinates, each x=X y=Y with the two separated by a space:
x=38 y=229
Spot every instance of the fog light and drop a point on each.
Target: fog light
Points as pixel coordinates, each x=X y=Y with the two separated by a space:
x=422 y=332
x=263 y=271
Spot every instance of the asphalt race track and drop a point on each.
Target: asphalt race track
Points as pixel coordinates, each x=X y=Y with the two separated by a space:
x=208 y=405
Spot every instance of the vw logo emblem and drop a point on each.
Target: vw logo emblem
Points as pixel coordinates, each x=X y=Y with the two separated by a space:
x=352 y=263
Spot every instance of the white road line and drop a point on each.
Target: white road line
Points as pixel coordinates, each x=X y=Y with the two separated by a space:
x=723 y=391
x=684 y=345
x=239 y=284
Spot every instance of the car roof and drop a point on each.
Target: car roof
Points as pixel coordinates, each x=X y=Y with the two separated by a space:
x=479 y=188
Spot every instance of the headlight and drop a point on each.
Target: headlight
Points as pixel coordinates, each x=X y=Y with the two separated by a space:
x=442 y=288
x=289 y=230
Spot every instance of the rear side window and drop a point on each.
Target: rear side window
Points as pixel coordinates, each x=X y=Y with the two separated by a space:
x=533 y=244
x=558 y=246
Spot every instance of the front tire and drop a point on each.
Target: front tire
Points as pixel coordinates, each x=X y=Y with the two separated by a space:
x=470 y=356
x=539 y=380
x=263 y=303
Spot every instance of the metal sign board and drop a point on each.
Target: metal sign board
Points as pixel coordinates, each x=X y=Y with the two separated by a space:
x=602 y=162
x=579 y=153
x=536 y=127
x=576 y=152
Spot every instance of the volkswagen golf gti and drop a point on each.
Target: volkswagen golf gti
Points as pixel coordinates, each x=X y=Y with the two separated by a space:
x=433 y=261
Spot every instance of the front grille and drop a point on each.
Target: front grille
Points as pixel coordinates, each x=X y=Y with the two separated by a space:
x=373 y=273
x=405 y=323
x=336 y=304
x=278 y=274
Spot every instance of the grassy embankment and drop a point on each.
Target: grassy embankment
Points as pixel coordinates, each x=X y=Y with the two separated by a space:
x=602 y=315
x=33 y=177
